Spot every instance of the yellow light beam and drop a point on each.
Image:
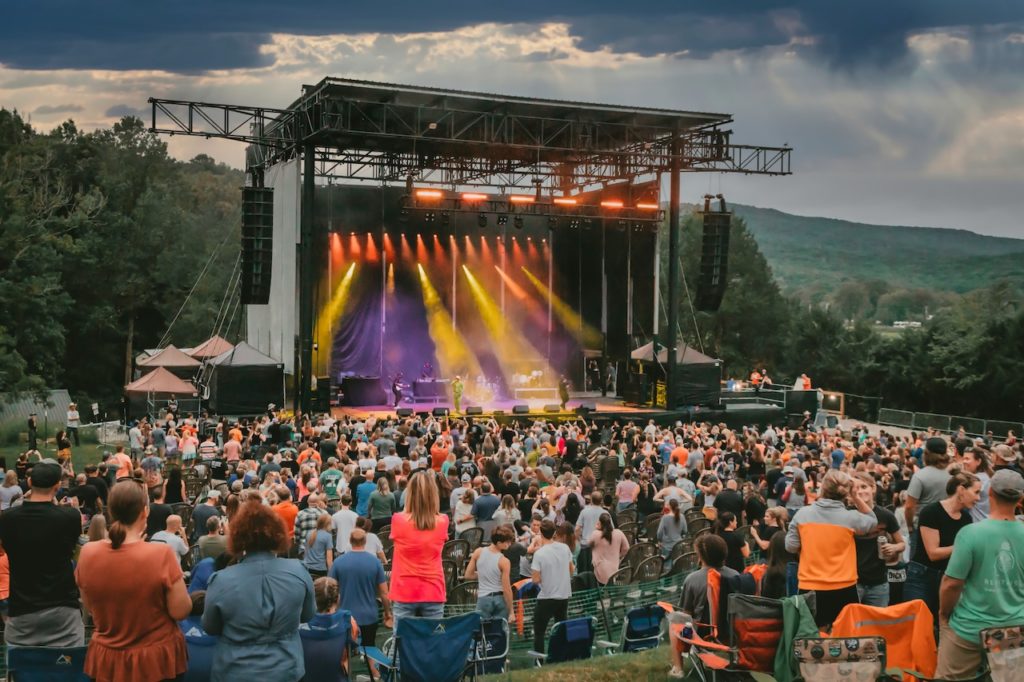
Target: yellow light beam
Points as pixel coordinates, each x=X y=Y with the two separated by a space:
x=329 y=315
x=584 y=333
x=511 y=347
x=453 y=355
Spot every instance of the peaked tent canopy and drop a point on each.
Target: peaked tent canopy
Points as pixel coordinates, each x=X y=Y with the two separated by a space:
x=161 y=381
x=685 y=355
x=245 y=381
x=171 y=356
x=210 y=348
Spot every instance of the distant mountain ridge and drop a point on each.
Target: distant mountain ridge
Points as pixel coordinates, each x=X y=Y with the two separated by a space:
x=812 y=253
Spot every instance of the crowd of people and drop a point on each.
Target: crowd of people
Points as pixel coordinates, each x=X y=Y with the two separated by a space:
x=290 y=539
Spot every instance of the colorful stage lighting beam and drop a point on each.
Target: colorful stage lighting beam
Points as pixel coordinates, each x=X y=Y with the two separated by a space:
x=333 y=310
x=405 y=251
x=453 y=355
x=514 y=289
x=585 y=334
x=510 y=346
x=372 y=252
x=391 y=279
x=470 y=249
x=421 y=250
x=389 y=248
x=354 y=249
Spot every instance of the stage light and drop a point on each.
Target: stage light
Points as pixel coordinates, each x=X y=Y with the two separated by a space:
x=572 y=321
x=521 y=199
x=552 y=222
x=518 y=222
x=474 y=196
x=481 y=220
x=574 y=223
x=429 y=194
x=611 y=203
x=648 y=206
x=453 y=355
x=565 y=201
x=444 y=217
x=503 y=219
x=428 y=216
x=403 y=215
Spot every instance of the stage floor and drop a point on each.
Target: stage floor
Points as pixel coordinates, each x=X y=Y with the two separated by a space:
x=601 y=406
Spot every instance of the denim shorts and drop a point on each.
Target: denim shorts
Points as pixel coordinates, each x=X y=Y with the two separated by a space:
x=492 y=606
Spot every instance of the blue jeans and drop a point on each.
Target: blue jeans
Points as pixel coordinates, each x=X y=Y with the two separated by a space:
x=873 y=595
x=423 y=609
x=923 y=583
x=492 y=606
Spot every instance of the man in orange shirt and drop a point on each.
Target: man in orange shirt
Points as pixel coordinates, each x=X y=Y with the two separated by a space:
x=680 y=454
x=123 y=463
x=235 y=433
x=286 y=509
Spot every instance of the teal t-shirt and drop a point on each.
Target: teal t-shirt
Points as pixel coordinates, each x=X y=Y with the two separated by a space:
x=989 y=557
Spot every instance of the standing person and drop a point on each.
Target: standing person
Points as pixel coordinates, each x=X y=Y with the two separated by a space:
x=671 y=528
x=317 y=557
x=483 y=510
x=492 y=570
x=10 y=490
x=872 y=555
x=976 y=462
x=344 y=521
x=984 y=582
x=418 y=534
x=626 y=491
x=725 y=528
x=552 y=569
x=361 y=582
x=74 y=422
x=563 y=391
x=938 y=525
x=608 y=545
x=457 y=389
x=381 y=504
x=586 y=523
x=823 y=535
x=256 y=606
x=213 y=544
x=143 y=642
x=44 y=605
x=33 y=433
x=173 y=535
x=928 y=484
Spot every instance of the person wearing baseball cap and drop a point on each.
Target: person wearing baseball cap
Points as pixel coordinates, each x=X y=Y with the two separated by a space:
x=40 y=538
x=1005 y=457
x=928 y=484
x=984 y=582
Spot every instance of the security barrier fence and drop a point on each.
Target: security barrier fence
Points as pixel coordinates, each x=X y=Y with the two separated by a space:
x=921 y=421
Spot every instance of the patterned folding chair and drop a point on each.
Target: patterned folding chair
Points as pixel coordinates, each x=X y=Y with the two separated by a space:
x=833 y=659
x=464 y=594
x=474 y=536
x=1004 y=649
x=639 y=553
x=651 y=524
x=620 y=577
x=648 y=570
x=456 y=551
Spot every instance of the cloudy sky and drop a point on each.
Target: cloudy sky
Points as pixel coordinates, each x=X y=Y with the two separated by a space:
x=900 y=111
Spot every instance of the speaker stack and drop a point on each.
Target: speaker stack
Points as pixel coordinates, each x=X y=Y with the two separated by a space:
x=714 y=257
x=257 y=244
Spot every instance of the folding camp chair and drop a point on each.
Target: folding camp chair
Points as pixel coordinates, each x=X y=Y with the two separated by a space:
x=748 y=644
x=641 y=630
x=46 y=664
x=324 y=646
x=491 y=647
x=428 y=650
x=570 y=640
x=840 y=660
x=1004 y=650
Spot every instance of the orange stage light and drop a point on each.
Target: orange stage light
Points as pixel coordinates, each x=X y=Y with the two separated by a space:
x=474 y=196
x=611 y=203
x=648 y=206
x=565 y=201
x=521 y=199
x=429 y=194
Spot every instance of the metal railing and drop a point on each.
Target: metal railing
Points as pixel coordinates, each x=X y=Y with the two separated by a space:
x=946 y=423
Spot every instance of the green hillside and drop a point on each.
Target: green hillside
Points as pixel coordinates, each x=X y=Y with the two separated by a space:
x=817 y=254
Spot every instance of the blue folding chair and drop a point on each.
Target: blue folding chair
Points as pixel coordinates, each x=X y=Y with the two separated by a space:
x=641 y=630
x=428 y=650
x=570 y=640
x=46 y=664
x=200 y=645
x=491 y=647
x=325 y=640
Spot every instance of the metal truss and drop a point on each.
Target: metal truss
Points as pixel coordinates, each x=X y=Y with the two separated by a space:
x=523 y=145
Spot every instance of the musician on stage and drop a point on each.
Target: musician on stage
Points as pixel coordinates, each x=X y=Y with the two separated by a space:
x=563 y=390
x=457 y=389
x=428 y=370
x=396 y=389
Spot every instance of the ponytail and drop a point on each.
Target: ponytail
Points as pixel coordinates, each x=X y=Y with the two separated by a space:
x=117 y=534
x=673 y=504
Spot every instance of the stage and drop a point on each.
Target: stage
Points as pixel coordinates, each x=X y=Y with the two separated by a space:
x=597 y=408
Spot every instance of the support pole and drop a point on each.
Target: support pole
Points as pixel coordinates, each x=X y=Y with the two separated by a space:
x=673 y=275
x=305 y=373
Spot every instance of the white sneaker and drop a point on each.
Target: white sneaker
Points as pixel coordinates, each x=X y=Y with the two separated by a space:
x=676 y=673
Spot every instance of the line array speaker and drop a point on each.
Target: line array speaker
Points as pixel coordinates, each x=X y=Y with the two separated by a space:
x=714 y=260
x=257 y=244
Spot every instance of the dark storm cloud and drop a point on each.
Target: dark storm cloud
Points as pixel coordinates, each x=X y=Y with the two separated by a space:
x=121 y=110
x=194 y=35
x=50 y=109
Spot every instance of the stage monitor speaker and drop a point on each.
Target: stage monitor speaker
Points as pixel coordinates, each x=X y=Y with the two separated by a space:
x=257 y=244
x=440 y=412
x=586 y=408
x=554 y=407
x=714 y=260
x=474 y=410
x=520 y=409
x=422 y=415
x=498 y=413
x=404 y=412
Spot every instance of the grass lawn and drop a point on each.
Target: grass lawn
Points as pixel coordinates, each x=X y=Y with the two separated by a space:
x=641 y=667
x=86 y=453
